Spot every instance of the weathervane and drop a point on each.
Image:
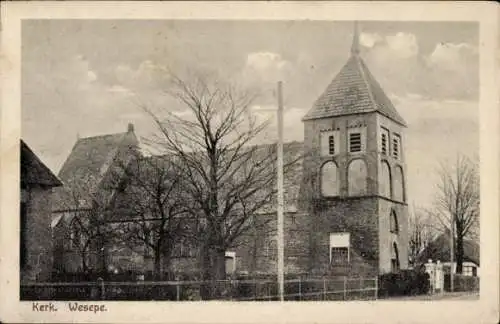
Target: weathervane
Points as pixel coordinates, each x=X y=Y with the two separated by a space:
x=355 y=40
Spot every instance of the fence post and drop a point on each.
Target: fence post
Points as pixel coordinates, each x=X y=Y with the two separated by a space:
x=178 y=290
x=100 y=281
x=255 y=289
x=376 y=288
x=324 y=288
x=231 y=285
x=300 y=288
x=345 y=288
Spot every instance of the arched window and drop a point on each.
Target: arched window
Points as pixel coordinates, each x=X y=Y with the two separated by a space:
x=385 y=181
x=395 y=258
x=399 y=186
x=329 y=183
x=394 y=222
x=75 y=237
x=356 y=175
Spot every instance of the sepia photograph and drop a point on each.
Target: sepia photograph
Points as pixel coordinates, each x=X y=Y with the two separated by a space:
x=244 y=160
x=249 y=161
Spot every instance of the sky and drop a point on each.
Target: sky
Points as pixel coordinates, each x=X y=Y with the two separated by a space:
x=85 y=78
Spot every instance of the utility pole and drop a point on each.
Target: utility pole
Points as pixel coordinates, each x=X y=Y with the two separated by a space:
x=280 y=206
x=452 y=249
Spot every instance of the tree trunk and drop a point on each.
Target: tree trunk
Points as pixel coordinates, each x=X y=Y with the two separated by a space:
x=157 y=263
x=167 y=262
x=205 y=267
x=218 y=269
x=253 y=264
x=101 y=247
x=459 y=253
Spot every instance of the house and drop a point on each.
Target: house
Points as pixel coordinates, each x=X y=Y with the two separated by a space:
x=89 y=178
x=37 y=183
x=346 y=207
x=439 y=250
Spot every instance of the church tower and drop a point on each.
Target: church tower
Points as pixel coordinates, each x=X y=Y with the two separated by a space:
x=355 y=175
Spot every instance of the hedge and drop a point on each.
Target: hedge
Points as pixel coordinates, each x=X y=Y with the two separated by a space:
x=404 y=283
x=461 y=283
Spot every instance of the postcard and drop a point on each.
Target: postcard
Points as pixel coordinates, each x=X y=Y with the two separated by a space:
x=248 y=162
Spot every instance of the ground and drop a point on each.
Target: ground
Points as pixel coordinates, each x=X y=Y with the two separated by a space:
x=444 y=296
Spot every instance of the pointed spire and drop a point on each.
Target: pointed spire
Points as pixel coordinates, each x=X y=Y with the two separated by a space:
x=355 y=40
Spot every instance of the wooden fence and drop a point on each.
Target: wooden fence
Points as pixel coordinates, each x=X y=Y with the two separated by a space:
x=231 y=290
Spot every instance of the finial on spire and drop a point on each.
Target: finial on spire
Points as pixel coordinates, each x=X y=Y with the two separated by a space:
x=355 y=40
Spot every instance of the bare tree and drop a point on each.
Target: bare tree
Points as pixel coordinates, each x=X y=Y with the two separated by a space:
x=150 y=204
x=421 y=232
x=226 y=178
x=88 y=232
x=457 y=202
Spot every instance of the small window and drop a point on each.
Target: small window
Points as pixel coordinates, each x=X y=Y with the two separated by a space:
x=355 y=142
x=331 y=145
x=396 y=146
x=339 y=255
x=339 y=248
x=75 y=237
x=384 y=139
x=467 y=271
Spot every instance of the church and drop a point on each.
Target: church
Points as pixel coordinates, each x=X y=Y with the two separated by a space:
x=346 y=210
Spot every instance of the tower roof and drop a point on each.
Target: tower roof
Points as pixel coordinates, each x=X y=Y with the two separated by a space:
x=354 y=90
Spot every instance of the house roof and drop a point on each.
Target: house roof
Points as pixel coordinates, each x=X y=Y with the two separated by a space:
x=354 y=90
x=439 y=249
x=87 y=165
x=34 y=171
x=292 y=154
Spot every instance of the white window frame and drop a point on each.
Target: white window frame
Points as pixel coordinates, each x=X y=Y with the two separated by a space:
x=340 y=240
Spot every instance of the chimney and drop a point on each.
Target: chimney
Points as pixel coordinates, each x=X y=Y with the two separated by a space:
x=130 y=128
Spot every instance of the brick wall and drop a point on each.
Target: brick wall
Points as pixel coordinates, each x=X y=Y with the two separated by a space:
x=38 y=240
x=357 y=216
x=387 y=238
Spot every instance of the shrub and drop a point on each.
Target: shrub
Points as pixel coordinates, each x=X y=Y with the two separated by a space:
x=461 y=283
x=404 y=283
